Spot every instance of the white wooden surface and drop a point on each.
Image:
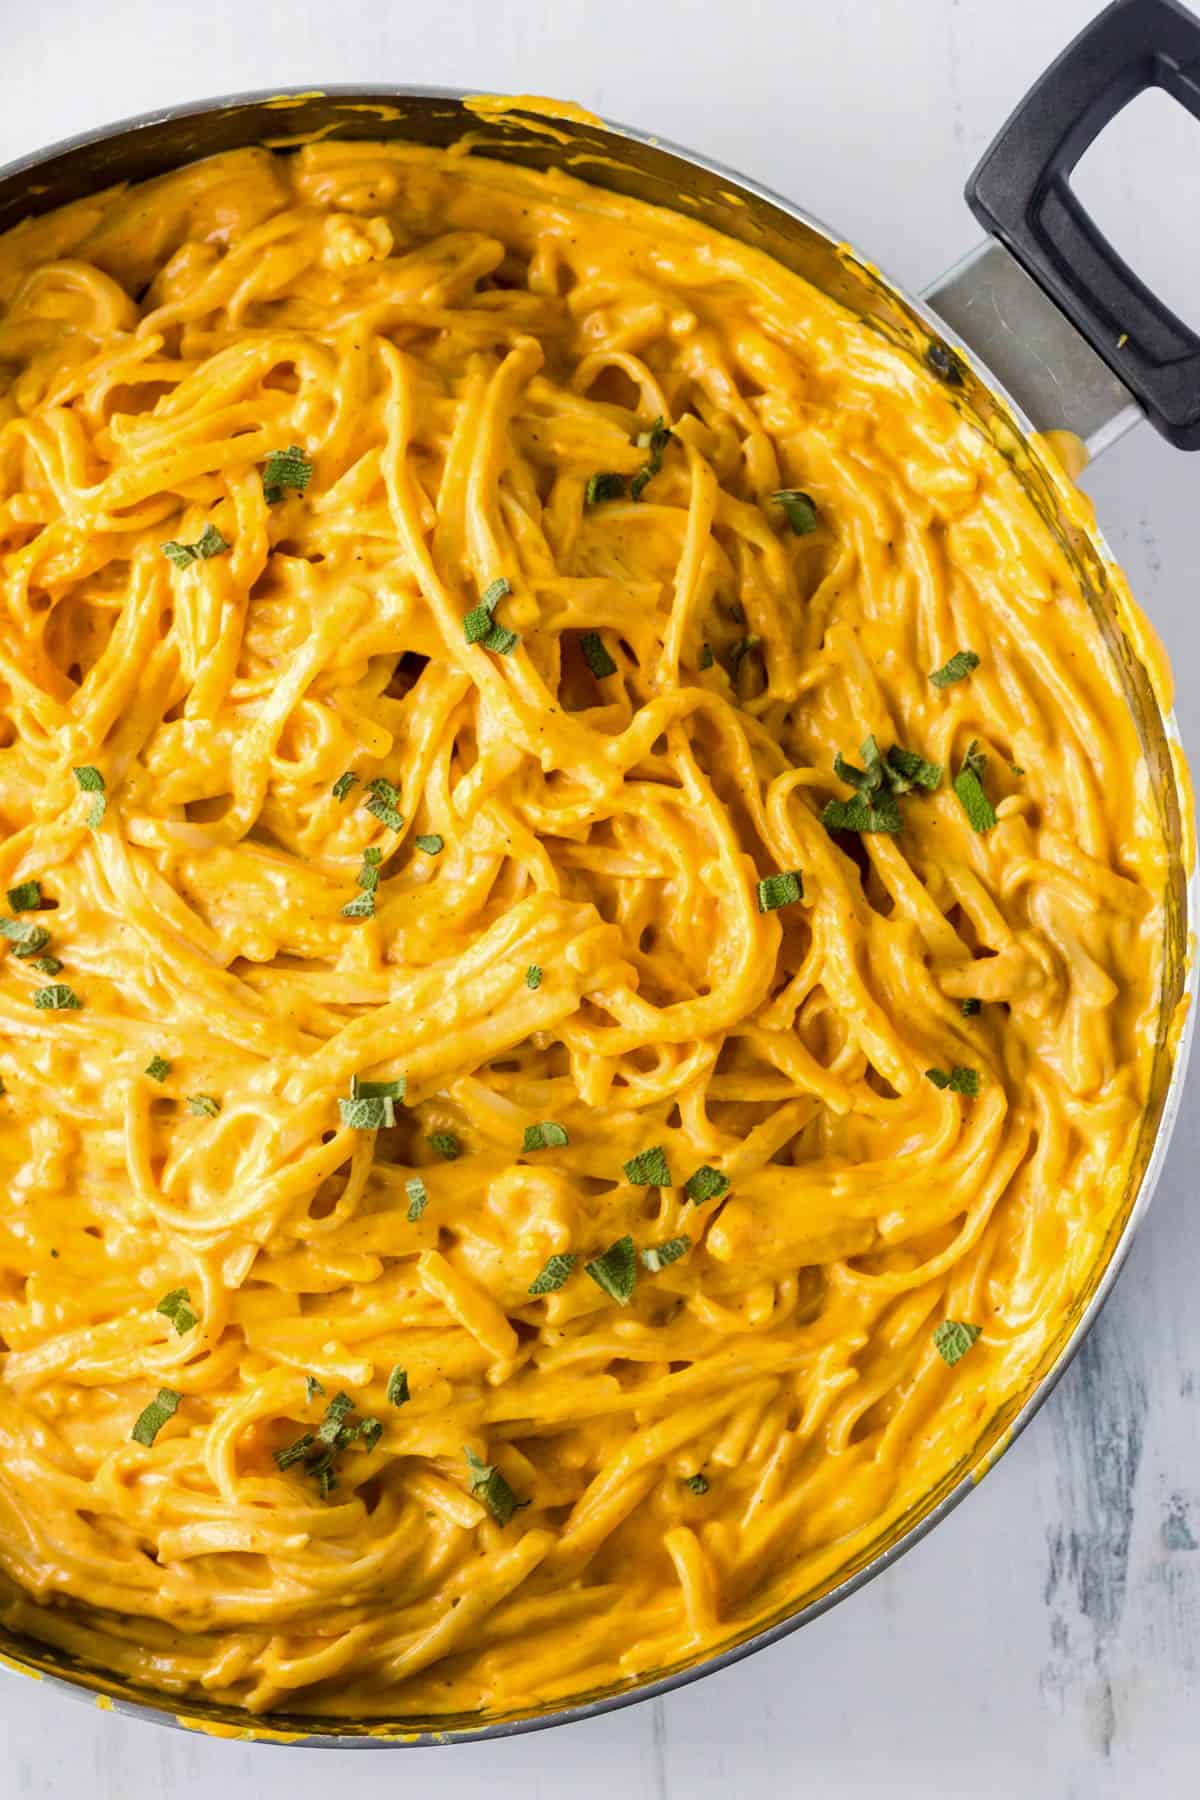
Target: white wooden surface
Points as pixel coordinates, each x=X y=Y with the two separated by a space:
x=1046 y=1639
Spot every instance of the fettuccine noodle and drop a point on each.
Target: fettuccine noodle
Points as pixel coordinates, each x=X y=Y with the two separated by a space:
x=310 y=1399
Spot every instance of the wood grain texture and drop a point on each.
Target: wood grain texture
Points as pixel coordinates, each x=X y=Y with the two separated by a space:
x=1046 y=1639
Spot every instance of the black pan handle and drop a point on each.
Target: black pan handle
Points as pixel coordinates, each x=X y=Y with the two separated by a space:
x=1021 y=192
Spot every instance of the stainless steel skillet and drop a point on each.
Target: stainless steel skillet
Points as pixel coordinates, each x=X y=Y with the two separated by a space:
x=1041 y=326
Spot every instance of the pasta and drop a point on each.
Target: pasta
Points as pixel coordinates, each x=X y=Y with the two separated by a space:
x=572 y=1028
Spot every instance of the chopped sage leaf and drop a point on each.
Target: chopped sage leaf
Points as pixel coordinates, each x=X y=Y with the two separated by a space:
x=370 y=1112
x=649 y=1168
x=596 y=656
x=960 y=665
x=312 y=1387
x=696 y=1484
x=706 y=1184
x=203 y=1105
x=370 y=1431
x=859 y=814
x=657 y=1256
x=91 y=781
x=959 y=1080
x=953 y=1338
x=432 y=843
x=26 y=897
x=384 y=803
x=158 y=1068
x=706 y=657
x=480 y=628
x=177 y=1306
x=489 y=1485
x=554 y=1273
x=397 y=1387
x=968 y=785
x=418 y=1198
x=209 y=543
x=46 y=965
x=655 y=441
x=615 y=1270
x=343 y=784
x=288 y=468
x=775 y=891
x=546 y=1136
x=294 y=1453
x=907 y=770
x=57 y=998
x=445 y=1144
x=26 y=938
x=604 y=487
x=379 y=1090
x=533 y=976
x=152 y=1418
x=800 y=509
x=970 y=1008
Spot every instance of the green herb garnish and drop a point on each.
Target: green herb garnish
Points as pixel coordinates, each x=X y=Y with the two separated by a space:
x=46 y=965
x=370 y=1431
x=953 y=1338
x=800 y=508
x=615 y=1270
x=968 y=785
x=970 y=1008
x=533 y=976
x=383 y=803
x=26 y=938
x=56 y=998
x=343 y=784
x=657 y=1256
x=445 y=1144
x=91 y=781
x=177 y=1306
x=604 y=487
x=596 y=656
x=706 y=1184
x=25 y=898
x=312 y=1387
x=209 y=543
x=152 y=1418
x=655 y=441
x=554 y=1273
x=158 y=1068
x=960 y=665
x=959 y=1080
x=295 y=1452
x=363 y=905
x=372 y=1104
x=418 y=1198
x=432 y=843
x=397 y=1387
x=546 y=1136
x=203 y=1105
x=696 y=1484
x=908 y=770
x=706 y=657
x=480 y=628
x=873 y=807
x=489 y=1485
x=288 y=468
x=649 y=1168
x=775 y=891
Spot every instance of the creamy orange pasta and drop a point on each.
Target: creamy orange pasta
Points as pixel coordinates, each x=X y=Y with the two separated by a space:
x=584 y=935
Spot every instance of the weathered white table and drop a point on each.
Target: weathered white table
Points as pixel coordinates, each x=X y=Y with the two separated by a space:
x=1046 y=1640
